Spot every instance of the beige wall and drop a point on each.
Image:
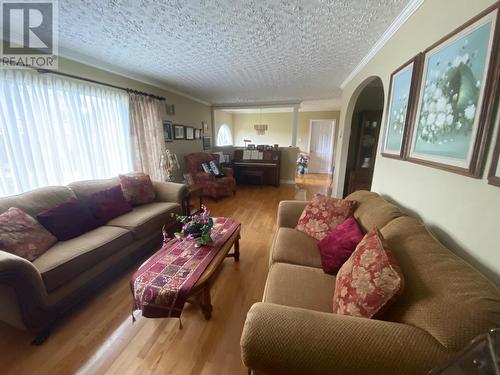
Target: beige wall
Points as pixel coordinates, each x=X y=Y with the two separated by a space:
x=464 y=212
x=280 y=127
x=187 y=112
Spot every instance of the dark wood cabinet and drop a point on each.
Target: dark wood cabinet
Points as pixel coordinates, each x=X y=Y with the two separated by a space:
x=360 y=173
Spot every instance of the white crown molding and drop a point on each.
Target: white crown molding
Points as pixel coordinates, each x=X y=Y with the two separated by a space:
x=391 y=30
x=87 y=60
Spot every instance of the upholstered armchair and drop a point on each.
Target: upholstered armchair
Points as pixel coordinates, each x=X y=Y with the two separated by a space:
x=212 y=187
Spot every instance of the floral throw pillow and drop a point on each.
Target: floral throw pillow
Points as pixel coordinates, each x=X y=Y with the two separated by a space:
x=369 y=280
x=322 y=214
x=22 y=235
x=137 y=188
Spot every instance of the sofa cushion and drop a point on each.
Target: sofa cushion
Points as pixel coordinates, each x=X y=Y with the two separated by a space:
x=299 y=286
x=375 y=212
x=323 y=213
x=65 y=260
x=22 y=235
x=146 y=219
x=369 y=280
x=68 y=219
x=295 y=247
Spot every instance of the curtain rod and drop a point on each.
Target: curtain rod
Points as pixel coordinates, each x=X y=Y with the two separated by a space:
x=131 y=91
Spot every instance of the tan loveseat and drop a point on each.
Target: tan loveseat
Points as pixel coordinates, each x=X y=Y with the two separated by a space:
x=445 y=304
x=34 y=294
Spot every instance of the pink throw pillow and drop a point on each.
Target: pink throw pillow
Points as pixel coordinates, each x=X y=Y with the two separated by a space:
x=322 y=214
x=339 y=244
x=22 y=235
x=108 y=204
x=137 y=188
x=369 y=280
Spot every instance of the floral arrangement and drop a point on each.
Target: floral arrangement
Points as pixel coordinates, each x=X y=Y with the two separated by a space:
x=399 y=114
x=449 y=100
x=302 y=162
x=197 y=227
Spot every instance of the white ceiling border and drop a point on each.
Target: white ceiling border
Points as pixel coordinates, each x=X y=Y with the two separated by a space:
x=391 y=30
x=86 y=60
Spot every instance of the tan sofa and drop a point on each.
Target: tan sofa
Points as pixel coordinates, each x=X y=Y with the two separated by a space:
x=33 y=295
x=445 y=304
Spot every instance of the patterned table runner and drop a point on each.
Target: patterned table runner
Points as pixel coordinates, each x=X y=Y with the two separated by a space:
x=161 y=286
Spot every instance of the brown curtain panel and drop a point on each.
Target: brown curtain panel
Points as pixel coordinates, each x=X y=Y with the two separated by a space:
x=147 y=136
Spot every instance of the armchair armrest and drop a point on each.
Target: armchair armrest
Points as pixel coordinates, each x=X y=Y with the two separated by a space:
x=289 y=213
x=202 y=178
x=229 y=172
x=288 y=340
x=170 y=191
x=23 y=297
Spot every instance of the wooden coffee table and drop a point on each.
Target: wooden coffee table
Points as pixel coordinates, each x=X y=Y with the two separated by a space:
x=200 y=293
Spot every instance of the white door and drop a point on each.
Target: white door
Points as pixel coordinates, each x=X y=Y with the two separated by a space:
x=321 y=146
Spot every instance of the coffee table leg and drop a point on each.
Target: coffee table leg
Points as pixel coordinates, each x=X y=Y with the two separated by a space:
x=206 y=303
x=237 y=249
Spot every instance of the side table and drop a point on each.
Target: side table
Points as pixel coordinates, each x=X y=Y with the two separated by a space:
x=194 y=192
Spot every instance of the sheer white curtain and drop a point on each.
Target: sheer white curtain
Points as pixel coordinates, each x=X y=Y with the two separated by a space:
x=147 y=136
x=224 y=136
x=55 y=130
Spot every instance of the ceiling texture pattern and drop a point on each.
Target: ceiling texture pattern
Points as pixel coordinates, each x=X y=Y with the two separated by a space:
x=230 y=51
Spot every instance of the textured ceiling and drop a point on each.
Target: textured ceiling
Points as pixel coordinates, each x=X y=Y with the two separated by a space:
x=230 y=51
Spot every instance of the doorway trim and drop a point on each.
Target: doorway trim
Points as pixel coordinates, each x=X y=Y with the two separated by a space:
x=332 y=141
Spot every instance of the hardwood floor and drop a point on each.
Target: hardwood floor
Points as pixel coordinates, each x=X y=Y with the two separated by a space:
x=99 y=337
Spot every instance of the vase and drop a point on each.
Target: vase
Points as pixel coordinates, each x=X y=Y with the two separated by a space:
x=301 y=169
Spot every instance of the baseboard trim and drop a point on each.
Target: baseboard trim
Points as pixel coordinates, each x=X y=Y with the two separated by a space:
x=289 y=182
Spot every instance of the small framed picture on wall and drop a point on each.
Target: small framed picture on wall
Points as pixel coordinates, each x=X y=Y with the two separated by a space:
x=206 y=143
x=204 y=126
x=178 y=131
x=197 y=133
x=189 y=133
x=399 y=108
x=168 y=134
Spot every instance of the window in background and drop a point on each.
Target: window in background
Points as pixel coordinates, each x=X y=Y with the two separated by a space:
x=224 y=137
x=54 y=131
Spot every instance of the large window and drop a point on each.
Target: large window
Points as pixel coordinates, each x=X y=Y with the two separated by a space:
x=224 y=136
x=54 y=131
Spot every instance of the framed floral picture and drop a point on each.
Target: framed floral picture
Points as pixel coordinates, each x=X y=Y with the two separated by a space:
x=197 y=133
x=455 y=98
x=178 y=131
x=494 y=175
x=399 y=108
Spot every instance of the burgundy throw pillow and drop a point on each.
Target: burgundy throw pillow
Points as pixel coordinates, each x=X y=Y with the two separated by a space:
x=108 y=204
x=339 y=244
x=22 y=235
x=68 y=220
x=137 y=188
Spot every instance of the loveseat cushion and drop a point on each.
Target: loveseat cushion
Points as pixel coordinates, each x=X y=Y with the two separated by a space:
x=375 y=212
x=295 y=247
x=148 y=218
x=67 y=259
x=299 y=286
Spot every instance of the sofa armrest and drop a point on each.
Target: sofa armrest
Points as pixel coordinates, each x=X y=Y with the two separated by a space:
x=288 y=340
x=23 y=292
x=289 y=213
x=170 y=192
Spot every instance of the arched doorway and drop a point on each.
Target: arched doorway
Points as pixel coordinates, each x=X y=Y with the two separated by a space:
x=364 y=134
